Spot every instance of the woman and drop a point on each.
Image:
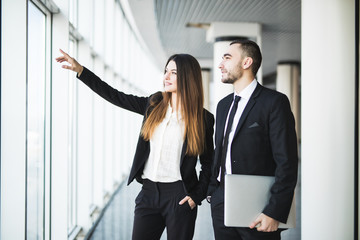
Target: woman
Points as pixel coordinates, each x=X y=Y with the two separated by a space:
x=176 y=130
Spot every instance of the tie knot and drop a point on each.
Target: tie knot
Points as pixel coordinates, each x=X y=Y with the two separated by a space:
x=237 y=99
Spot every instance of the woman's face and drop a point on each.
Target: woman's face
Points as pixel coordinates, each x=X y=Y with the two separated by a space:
x=170 y=77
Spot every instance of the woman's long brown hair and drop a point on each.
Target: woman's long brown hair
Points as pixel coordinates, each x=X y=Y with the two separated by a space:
x=190 y=96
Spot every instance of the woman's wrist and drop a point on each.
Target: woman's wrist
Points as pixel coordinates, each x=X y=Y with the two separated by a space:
x=80 y=71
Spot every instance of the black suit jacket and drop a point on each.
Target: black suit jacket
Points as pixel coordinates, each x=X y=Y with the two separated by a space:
x=196 y=187
x=264 y=144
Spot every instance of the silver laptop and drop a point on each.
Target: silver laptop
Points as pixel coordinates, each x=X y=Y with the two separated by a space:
x=245 y=198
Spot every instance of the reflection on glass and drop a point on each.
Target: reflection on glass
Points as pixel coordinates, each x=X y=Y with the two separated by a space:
x=35 y=123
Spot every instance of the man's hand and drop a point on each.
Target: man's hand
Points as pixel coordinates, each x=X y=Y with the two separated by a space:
x=265 y=223
x=188 y=199
x=74 y=65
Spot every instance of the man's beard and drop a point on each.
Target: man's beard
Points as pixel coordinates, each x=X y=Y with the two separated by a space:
x=231 y=78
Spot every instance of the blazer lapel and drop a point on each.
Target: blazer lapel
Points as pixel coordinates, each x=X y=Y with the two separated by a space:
x=248 y=108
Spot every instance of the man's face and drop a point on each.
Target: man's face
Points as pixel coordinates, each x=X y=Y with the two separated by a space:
x=230 y=66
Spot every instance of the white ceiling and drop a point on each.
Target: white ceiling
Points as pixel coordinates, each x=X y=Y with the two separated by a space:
x=162 y=25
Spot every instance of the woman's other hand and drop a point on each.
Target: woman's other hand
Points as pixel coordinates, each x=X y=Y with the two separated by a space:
x=74 y=65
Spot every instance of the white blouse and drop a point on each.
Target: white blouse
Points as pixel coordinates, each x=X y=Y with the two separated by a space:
x=163 y=164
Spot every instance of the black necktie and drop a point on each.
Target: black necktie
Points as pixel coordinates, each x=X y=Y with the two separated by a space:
x=226 y=137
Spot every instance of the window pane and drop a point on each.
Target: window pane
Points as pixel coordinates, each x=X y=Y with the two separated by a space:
x=72 y=144
x=35 y=123
x=99 y=27
x=73 y=10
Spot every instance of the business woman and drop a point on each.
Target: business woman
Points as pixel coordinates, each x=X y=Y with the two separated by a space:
x=176 y=130
x=255 y=135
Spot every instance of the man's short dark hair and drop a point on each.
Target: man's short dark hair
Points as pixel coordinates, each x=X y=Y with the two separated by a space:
x=250 y=49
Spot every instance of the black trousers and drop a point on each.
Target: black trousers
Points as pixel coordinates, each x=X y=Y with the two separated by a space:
x=157 y=207
x=222 y=232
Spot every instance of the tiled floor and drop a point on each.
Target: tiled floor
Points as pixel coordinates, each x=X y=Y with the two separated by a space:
x=116 y=223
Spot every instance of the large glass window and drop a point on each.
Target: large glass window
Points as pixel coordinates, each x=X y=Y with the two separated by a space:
x=93 y=153
x=36 y=122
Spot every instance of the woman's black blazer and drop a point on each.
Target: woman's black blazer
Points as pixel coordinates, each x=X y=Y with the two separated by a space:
x=196 y=187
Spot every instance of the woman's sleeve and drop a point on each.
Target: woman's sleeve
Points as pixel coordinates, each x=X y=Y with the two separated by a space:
x=127 y=101
x=206 y=159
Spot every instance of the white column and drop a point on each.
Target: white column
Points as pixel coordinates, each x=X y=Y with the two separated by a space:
x=288 y=82
x=13 y=119
x=327 y=88
x=219 y=89
x=206 y=76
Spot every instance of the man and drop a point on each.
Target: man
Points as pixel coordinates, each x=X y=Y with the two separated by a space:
x=255 y=135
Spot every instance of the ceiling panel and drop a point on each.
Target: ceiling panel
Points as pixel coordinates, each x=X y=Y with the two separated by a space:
x=280 y=20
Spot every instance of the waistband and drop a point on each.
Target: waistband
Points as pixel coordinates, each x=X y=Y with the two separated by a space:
x=163 y=187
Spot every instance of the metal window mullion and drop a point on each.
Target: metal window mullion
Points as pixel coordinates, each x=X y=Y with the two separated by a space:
x=49 y=5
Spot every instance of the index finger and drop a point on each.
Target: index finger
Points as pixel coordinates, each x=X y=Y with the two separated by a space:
x=184 y=200
x=256 y=223
x=64 y=53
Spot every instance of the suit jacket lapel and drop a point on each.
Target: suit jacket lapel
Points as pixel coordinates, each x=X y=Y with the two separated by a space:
x=248 y=108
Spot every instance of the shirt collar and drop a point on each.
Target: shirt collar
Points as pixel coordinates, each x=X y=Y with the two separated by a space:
x=246 y=92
